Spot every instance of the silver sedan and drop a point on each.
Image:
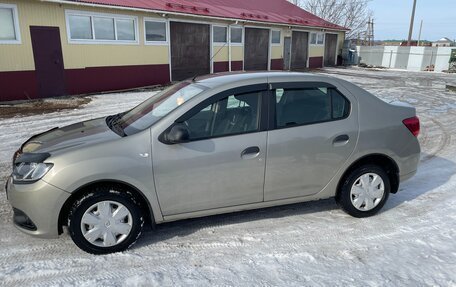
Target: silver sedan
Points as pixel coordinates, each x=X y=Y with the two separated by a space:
x=210 y=145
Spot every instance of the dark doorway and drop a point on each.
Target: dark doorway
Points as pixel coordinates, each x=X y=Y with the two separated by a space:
x=190 y=50
x=256 y=52
x=330 y=49
x=299 y=50
x=286 y=53
x=47 y=53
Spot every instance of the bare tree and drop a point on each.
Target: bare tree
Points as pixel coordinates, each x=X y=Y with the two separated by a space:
x=352 y=14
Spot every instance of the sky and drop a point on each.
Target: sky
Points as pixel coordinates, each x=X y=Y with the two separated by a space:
x=392 y=19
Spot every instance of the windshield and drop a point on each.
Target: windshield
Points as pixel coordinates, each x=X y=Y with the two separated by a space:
x=156 y=107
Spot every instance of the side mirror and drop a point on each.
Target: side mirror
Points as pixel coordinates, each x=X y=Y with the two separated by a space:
x=179 y=133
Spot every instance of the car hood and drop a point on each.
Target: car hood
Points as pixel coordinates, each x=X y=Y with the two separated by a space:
x=75 y=135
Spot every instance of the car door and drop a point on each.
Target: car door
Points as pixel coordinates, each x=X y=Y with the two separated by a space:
x=314 y=131
x=223 y=163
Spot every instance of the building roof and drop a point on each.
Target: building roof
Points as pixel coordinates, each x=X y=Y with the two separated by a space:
x=444 y=40
x=264 y=11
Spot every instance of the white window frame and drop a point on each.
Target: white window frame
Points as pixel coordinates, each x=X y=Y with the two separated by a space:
x=242 y=36
x=323 y=35
x=227 y=35
x=17 y=30
x=149 y=19
x=280 y=42
x=102 y=15
x=316 y=39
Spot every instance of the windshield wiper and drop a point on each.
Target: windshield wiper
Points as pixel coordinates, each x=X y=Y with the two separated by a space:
x=113 y=123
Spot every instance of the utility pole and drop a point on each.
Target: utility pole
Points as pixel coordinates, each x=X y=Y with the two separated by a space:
x=419 y=34
x=409 y=41
x=370 y=32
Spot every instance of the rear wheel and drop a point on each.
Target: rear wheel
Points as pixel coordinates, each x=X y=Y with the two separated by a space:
x=105 y=221
x=364 y=191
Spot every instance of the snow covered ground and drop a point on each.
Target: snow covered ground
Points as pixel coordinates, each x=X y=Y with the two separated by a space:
x=412 y=242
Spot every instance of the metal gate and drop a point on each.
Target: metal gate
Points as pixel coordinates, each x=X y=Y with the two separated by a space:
x=330 y=49
x=299 y=50
x=190 y=50
x=256 y=53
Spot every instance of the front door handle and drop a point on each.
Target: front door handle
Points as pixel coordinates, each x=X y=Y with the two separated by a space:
x=250 y=152
x=341 y=140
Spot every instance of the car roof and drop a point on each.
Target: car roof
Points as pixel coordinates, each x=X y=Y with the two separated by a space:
x=220 y=79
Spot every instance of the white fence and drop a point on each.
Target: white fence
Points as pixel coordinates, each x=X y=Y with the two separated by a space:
x=408 y=58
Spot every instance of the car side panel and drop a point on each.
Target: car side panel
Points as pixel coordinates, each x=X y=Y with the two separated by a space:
x=382 y=130
x=126 y=160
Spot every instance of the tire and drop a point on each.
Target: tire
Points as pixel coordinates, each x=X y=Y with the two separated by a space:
x=110 y=217
x=355 y=199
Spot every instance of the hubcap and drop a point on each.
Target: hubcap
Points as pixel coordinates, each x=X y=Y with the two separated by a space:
x=367 y=191
x=106 y=223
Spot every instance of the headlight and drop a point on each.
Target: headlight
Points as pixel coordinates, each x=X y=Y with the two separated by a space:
x=30 y=171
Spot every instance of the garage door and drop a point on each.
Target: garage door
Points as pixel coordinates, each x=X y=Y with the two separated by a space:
x=330 y=49
x=189 y=50
x=299 y=50
x=256 y=49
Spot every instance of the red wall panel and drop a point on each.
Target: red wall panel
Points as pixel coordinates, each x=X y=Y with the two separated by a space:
x=100 y=79
x=224 y=66
x=276 y=64
x=20 y=85
x=315 y=62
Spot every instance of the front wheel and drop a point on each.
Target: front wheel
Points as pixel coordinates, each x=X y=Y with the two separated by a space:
x=364 y=191
x=105 y=221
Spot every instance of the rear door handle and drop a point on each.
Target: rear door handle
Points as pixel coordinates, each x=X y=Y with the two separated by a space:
x=341 y=140
x=250 y=152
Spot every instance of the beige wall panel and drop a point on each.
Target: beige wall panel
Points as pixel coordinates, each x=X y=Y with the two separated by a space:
x=237 y=53
x=220 y=53
x=341 y=39
x=316 y=51
x=277 y=52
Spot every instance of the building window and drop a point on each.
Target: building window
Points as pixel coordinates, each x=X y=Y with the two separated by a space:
x=317 y=38
x=155 y=31
x=125 y=29
x=104 y=28
x=219 y=34
x=320 y=38
x=236 y=35
x=9 y=25
x=80 y=27
x=275 y=37
x=86 y=27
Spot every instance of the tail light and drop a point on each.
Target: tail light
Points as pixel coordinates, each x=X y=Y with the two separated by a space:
x=413 y=124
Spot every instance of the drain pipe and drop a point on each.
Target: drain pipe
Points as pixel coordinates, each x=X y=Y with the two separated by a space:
x=229 y=48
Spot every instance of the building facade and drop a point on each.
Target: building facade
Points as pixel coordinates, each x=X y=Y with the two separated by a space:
x=444 y=42
x=52 y=48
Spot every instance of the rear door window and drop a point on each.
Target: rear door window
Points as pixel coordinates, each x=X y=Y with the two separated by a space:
x=305 y=106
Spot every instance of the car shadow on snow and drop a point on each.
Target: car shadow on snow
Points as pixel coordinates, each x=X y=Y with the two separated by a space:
x=431 y=175
x=188 y=226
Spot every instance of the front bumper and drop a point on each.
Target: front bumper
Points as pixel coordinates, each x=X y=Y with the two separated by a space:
x=37 y=203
